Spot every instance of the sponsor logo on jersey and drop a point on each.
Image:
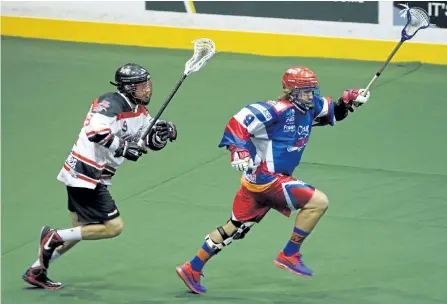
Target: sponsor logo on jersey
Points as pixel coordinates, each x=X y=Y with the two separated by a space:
x=263 y=111
x=303 y=133
x=134 y=137
x=288 y=128
x=299 y=145
x=290 y=116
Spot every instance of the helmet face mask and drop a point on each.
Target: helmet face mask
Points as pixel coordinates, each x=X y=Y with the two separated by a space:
x=140 y=93
x=134 y=81
x=303 y=86
x=302 y=98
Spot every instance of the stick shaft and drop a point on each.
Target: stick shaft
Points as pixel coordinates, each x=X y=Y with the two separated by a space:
x=163 y=107
x=384 y=66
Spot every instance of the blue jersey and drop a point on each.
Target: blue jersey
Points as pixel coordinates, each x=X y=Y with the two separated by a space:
x=276 y=134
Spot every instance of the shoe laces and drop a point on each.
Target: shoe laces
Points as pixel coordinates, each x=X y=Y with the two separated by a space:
x=296 y=258
x=196 y=275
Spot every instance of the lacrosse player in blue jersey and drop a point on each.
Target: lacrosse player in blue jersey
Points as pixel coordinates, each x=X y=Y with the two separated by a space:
x=266 y=141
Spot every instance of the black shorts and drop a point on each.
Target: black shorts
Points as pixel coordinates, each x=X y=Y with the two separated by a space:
x=92 y=205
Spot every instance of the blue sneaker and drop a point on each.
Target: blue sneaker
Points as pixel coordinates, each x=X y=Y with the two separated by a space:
x=191 y=278
x=293 y=264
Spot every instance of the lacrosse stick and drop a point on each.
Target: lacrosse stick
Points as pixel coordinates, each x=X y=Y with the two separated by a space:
x=417 y=19
x=204 y=49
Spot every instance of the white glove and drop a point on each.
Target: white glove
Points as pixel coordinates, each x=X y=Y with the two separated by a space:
x=242 y=164
x=241 y=160
x=360 y=99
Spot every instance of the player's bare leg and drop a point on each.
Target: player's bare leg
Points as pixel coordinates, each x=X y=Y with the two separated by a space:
x=290 y=258
x=190 y=272
x=312 y=212
x=52 y=238
x=109 y=229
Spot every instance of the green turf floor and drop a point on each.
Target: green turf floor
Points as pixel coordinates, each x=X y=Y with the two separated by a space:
x=383 y=239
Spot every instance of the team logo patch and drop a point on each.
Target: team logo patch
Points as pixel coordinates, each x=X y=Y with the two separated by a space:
x=71 y=161
x=101 y=106
x=125 y=70
x=292 y=71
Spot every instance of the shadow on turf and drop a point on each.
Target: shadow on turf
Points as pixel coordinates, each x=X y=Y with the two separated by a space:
x=89 y=291
x=189 y=295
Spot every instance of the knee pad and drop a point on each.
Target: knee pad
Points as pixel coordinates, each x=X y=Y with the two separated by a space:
x=242 y=229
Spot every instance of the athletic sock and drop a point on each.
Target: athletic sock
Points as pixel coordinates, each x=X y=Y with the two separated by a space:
x=203 y=255
x=294 y=244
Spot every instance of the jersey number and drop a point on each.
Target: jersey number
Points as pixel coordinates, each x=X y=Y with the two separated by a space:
x=87 y=119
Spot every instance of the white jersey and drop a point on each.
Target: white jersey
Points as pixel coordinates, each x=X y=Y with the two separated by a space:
x=91 y=160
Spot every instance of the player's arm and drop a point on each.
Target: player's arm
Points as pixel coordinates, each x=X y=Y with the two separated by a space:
x=327 y=111
x=161 y=132
x=251 y=121
x=98 y=129
x=324 y=111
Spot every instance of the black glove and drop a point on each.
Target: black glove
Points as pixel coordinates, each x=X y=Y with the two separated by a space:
x=129 y=150
x=166 y=130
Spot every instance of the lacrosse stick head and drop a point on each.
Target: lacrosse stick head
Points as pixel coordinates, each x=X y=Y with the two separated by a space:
x=204 y=49
x=417 y=19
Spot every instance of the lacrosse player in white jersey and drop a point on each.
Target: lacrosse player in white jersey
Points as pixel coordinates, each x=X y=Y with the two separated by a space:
x=111 y=130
